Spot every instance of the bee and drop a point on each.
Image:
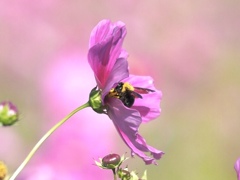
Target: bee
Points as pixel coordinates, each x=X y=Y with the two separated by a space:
x=127 y=93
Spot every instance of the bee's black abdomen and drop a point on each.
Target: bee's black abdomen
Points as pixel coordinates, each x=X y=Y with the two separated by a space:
x=127 y=99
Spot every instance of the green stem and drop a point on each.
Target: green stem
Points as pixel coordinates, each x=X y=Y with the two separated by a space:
x=36 y=147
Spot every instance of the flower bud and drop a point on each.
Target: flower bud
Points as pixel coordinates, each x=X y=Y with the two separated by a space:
x=8 y=113
x=3 y=171
x=111 y=161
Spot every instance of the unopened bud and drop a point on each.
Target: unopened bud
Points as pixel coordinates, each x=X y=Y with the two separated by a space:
x=8 y=113
x=111 y=161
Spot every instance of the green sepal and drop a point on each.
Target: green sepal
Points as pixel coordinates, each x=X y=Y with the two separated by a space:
x=95 y=101
x=124 y=174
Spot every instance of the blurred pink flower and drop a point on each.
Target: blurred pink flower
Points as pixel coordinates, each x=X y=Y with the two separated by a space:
x=237 y=168
x=70 y=151
x=109 y=64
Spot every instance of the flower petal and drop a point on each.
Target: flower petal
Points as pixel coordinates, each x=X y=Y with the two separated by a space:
x=149 y=105
x=100 y=32
x=127 y=122
x=105 y=48
x=237 y=168
x=96 y=56
x=103 y=30
x=124 y=54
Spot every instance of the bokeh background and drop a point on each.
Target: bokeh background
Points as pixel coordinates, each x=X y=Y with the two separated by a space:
x=190 y=48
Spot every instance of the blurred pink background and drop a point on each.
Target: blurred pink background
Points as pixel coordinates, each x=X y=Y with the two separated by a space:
x=190 y=48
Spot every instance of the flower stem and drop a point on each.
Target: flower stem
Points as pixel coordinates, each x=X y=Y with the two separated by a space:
x=36 y=147
x=114 y=174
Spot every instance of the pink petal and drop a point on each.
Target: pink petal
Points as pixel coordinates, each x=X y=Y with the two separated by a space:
x=237 y=168
x=96 y=58
x=149 y=105
x=105 y=48
x=123 y=54
x=100 y=32
x=127 y=122
x=103 y=30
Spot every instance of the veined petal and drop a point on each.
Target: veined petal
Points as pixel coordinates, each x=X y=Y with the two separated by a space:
x=105 y=48
x=149 y=105
x=103 y=30
x=237 y=168
x=127 y=122
x=100 y=32
x=96 y=56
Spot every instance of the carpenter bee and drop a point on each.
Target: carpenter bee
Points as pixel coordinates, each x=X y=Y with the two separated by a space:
x=127 y=93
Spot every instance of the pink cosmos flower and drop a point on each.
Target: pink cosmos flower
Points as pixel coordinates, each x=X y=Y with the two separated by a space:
x=109 y=62
x=237 y=168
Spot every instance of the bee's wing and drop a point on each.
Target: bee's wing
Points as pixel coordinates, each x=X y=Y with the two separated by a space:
x=142 y=90
x=136 y=95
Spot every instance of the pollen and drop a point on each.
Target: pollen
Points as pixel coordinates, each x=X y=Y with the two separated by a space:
x=127 y=86
x=119 y=89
